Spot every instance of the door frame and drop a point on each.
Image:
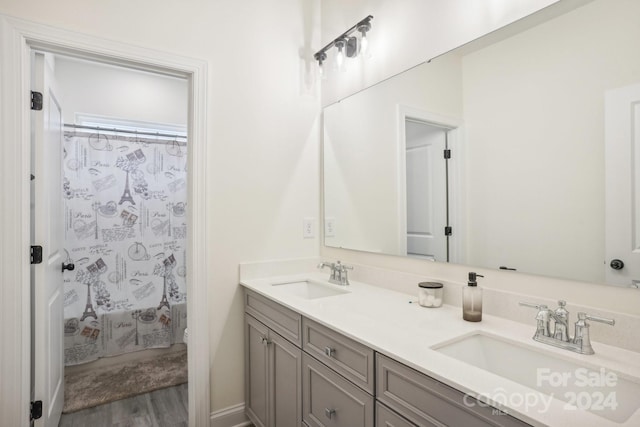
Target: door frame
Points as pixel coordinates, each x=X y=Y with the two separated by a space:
x=18 y=38
x=456 y=166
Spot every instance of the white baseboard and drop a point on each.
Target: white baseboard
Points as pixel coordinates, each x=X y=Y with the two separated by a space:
x=233 y=416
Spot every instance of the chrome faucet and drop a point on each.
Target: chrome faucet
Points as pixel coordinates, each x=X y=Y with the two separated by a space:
x=339 y=275
x=581 y=342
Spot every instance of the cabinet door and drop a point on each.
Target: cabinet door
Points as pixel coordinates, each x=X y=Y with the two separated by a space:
x=285 y=374
x=328 y=400
x=256 y=372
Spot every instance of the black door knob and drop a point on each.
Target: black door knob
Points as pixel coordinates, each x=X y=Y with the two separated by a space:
x=617 y=264
x=69 y=267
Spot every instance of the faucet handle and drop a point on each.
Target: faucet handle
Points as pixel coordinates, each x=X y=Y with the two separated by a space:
x=324 y=264
x=543 y=310
x=532 y=305
x=584 y=316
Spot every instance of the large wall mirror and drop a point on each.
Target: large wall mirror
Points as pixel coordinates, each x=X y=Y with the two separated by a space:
x=543 y=132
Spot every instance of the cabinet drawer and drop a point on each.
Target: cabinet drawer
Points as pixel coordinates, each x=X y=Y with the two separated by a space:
x=330 y=400
x=280 y=319
x=385 y=417
x=349 y=358
x=425 y=401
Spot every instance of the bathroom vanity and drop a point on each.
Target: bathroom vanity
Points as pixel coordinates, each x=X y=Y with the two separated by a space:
x=320 y=354
x=335 y=379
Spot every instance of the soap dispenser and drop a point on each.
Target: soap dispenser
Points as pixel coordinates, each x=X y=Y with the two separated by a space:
x=472 y=300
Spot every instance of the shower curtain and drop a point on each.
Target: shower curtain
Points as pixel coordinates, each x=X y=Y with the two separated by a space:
x=125 y=201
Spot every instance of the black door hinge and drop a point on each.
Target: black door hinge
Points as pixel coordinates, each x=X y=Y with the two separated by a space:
x=447 y=153
x=36 y=409
x=36 y=254
x=36 y=100
x=448 y=230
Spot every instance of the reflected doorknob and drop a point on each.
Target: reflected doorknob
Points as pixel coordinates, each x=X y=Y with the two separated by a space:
x=69 y=267
x=617 y=264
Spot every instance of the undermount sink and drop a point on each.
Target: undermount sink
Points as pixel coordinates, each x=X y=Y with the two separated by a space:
x=308 y=289
x=594 y=389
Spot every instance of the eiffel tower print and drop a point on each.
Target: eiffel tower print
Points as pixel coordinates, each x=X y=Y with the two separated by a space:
x=164 y=301
x=88 y=309
x=126 y=195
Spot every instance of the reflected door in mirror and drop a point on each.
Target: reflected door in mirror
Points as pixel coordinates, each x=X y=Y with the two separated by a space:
x=426 y=191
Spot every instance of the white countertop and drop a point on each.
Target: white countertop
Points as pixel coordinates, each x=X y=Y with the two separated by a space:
x=395 y=324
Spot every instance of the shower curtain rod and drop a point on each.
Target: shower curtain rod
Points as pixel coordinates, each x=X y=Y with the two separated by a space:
x=116 y=130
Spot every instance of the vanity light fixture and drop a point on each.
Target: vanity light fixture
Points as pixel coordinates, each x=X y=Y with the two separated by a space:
x=347 y=45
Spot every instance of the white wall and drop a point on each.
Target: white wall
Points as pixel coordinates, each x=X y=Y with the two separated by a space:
x=607 y=297
x=263 y=131
x=107 y=90
x=407 y=32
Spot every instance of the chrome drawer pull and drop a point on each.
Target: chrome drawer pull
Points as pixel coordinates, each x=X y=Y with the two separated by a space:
x=329 y=412
x=329 y=351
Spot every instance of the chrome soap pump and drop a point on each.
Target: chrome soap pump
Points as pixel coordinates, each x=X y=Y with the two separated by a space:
x=472 y=300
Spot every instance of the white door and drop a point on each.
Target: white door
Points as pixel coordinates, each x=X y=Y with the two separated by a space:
x=47 y=352
x=622 y=153
x=426 y=191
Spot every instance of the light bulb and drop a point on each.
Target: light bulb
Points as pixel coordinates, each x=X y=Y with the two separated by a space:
x=321 y=71
x=340 y=58
x=364 y=46
x=340 y=45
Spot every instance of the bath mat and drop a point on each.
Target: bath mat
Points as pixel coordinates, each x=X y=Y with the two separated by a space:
x=100 y=386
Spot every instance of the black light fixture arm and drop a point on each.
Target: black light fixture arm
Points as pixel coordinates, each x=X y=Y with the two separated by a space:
x=321 y=55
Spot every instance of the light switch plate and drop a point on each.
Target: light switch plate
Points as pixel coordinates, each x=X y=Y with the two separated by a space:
x=308 y=228
x=329 y=227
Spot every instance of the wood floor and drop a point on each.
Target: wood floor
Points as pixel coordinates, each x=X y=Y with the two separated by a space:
x=168 y=407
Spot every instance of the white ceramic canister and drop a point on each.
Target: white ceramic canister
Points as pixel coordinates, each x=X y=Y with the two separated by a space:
x=430 y=294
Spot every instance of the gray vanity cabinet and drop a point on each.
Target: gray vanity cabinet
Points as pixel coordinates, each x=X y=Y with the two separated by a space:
x=301 y=373
x=427 y=402
x=329 y=400
x=273 y=373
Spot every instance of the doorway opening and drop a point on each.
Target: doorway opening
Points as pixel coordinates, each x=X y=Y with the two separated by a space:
x=109 y=208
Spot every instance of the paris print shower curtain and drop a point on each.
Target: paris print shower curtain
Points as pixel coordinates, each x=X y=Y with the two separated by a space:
x=125 y=201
